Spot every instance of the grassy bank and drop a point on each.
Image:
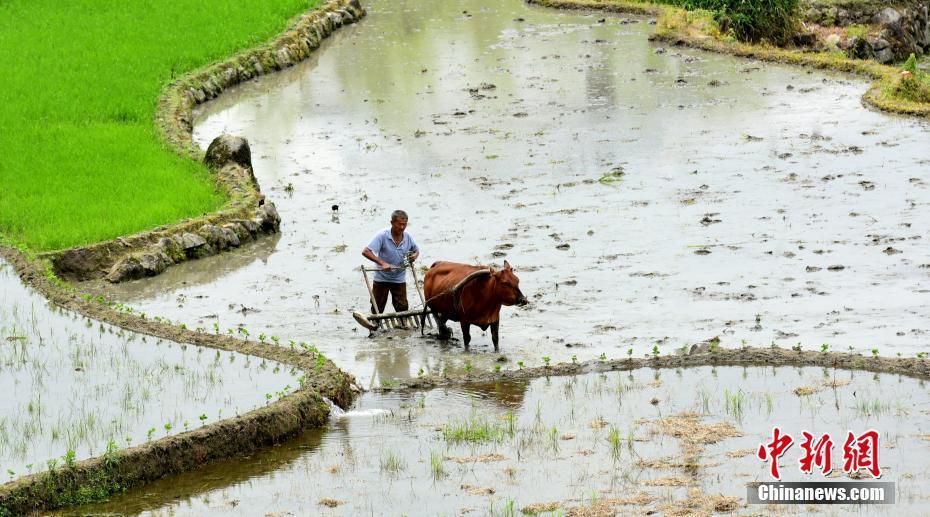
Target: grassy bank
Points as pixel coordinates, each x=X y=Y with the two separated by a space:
x=80 y=158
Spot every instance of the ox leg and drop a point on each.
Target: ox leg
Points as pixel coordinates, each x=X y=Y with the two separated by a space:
x=494 y=336
x=466 y=334
x=444 y=331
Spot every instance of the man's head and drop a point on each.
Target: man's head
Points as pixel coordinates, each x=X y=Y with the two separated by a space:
x=398 y=221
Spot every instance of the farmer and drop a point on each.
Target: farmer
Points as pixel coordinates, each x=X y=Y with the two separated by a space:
x=388 y=248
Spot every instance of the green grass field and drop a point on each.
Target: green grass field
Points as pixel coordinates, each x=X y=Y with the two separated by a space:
x=80 y=159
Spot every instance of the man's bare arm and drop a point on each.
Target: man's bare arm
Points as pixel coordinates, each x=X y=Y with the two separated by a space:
x=370 y=255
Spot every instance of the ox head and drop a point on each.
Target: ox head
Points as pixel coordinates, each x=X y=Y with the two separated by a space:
x=508 y=286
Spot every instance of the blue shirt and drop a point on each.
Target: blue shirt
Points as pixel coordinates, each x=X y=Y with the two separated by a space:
x=383 y=246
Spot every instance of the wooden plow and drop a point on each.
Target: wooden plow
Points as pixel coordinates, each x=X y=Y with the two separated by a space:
x=409 y=319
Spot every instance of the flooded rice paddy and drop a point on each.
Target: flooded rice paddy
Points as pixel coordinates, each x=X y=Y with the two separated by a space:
x=631 y=442
x=75 y=388
x=645 y=195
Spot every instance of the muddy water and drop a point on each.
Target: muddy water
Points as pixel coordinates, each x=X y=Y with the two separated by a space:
x=744 y=200
x=382 y=457
x=70 y=383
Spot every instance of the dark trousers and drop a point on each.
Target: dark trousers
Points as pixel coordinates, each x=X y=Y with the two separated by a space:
x=398 y=295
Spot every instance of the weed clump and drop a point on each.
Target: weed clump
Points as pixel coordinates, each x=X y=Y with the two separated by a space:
x=473 y=429
x=775 y=21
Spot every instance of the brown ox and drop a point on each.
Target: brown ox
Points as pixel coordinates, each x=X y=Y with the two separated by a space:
x=471 y=295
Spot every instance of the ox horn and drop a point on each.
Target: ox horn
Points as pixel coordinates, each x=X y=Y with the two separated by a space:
x=473 y=275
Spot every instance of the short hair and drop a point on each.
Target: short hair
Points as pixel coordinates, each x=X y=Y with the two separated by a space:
x=399 y=214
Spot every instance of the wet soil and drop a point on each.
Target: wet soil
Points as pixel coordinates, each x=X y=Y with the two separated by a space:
x=646 y=196
x=72 y=383
x=668 y=440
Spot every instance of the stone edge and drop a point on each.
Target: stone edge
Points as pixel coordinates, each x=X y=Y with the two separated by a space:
x=246 y=214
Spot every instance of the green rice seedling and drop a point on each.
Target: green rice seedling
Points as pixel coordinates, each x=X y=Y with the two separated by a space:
x=436 y=466
x=392 y=463
x=510 y=509
x=705 y=401
x=629 y=353
x=824 y=347
x=497 y=368
x=468 y=367
x=473 y=428
x=655 y=350
x=520 y=364
x=511 y=422
x=261 y=337
x=275 y=340
x=554 y=439
x=203 y=419
x=602 y=357
x=734 y=403
x=615 y=441
x=875 y=353
x=873 y=407
x=546 y=360
x=574 y=359
x=149 y=434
